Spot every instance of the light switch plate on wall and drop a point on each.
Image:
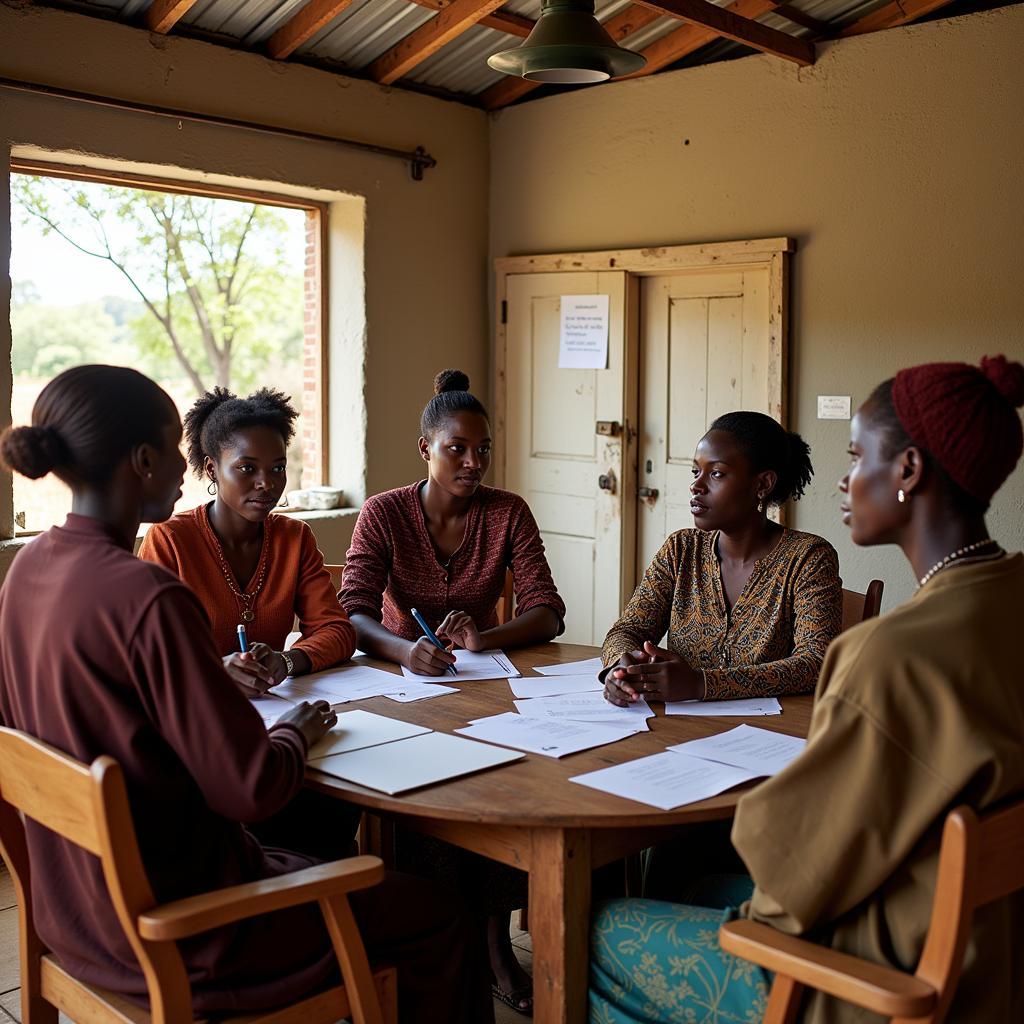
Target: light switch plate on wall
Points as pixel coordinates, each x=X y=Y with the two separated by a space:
x=833 y=407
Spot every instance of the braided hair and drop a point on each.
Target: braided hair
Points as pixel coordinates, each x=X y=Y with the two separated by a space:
x=219 y=415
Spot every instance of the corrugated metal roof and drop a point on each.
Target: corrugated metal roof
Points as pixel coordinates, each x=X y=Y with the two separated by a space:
x=368 y=28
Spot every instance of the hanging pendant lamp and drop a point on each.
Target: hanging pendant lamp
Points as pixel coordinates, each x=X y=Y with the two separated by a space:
x=568 y=46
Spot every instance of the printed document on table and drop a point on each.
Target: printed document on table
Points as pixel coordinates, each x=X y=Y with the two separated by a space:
x=666 y=780
x=757 y=750
x=270 y=708
x=544 y=735
x=359 y=729
x=587 y=707
x=571 y=668
x=750 y=707
x=418 y=761
x=473 y=665
x=554 y=686
x=340 y=685
x=419 y=691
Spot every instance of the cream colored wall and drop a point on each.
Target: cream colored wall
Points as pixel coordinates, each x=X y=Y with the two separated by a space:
x=895 y=161
x=425 y=242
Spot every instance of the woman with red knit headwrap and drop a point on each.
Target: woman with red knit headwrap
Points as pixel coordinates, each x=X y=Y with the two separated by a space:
x=915 y=712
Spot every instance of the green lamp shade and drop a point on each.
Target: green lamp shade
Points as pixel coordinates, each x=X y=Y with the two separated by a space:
x=568 y=46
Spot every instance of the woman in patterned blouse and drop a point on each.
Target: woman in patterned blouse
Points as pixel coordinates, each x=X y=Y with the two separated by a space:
x=749 y=606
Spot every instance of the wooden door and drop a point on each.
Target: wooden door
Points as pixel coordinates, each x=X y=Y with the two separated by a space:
x=706 y=348
x=554 y=455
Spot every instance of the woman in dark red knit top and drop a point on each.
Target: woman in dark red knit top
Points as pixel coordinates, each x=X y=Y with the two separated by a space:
x=443 y=546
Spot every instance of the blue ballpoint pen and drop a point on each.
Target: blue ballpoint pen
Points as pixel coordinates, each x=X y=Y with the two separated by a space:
x=243 y=640
x=429 y=634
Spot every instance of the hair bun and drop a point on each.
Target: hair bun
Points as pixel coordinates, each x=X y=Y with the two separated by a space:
x=32 y=451
x=450 y=380
x=1007 y=377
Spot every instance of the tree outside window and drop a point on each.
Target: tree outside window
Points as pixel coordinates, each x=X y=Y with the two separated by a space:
x=193 y=291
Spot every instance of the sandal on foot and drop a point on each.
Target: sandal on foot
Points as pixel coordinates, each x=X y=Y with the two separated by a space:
x=514 y=997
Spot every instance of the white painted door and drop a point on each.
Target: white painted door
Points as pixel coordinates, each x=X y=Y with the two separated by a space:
x=704 y=350
x=555 y=456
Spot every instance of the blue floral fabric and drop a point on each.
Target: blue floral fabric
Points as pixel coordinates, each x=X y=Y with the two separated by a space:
x=657 y=961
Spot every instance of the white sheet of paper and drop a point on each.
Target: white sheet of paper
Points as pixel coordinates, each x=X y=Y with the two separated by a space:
x=583 y=332
x=586 y=707
x=419 y=691
x=758 y=750
x=340 y=685
x=666 y=780
x=748 y=708
x=554 y=686
x=543 y=735
x=415 y=762
x=473 y=665
x=270 y=708
x=357 y=730
x=571 y=668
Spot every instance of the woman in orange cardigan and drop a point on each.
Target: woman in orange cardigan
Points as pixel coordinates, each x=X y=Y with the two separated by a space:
x=247 y=566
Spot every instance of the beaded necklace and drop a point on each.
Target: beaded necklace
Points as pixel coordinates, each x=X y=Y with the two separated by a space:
x=246 y=599
x=960 y=555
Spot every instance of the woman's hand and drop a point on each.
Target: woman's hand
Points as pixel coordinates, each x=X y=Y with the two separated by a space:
x=312 y=720
x=661 y=675
x=618 y=688
x=249 y=671
x=461 y=630
x=423 y=658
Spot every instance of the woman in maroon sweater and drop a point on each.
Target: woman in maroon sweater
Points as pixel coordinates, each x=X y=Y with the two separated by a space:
x=443 y=546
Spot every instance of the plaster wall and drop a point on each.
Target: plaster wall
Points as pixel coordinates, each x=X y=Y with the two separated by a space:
x=418 y=304
x=894 y=162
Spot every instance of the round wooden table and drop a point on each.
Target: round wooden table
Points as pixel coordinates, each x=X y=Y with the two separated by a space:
x=530 y=816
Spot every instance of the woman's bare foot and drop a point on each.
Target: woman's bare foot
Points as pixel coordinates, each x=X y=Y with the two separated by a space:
x=509 y=976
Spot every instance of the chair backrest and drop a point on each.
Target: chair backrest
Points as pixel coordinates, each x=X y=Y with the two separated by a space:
x=337 y=574
x=861 y=607
x=88 y=806
x=503 y=609
x=980 y=860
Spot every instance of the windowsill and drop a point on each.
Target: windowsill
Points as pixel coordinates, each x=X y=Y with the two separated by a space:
x=13 y=545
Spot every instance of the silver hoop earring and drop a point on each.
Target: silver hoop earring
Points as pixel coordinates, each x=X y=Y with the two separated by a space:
x=901 y=496
x=212 y=488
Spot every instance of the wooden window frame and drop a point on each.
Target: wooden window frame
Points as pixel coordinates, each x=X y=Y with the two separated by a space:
x=80 y=172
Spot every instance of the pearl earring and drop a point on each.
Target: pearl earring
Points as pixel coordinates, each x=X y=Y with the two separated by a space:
x=901 y=496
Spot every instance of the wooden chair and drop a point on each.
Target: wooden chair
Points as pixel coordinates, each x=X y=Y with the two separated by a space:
x=980 y=861
x=504 y=606
x=861 y=607
x=337 y=574
x=88 y=806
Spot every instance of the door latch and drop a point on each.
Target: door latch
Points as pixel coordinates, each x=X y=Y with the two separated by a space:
x=608 y=428
x=606 y=481
x=647 y=492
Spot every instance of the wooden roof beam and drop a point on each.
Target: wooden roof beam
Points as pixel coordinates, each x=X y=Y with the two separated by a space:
x=503 y=21
x=303 y=25
x=163 y=15
x=740 y=29
x=899 y=12
x=623 y=25
x=416 y=47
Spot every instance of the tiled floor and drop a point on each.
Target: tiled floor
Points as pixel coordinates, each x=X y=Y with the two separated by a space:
x=10 y=994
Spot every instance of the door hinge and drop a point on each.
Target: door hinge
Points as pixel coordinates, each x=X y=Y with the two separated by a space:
x=504 y=311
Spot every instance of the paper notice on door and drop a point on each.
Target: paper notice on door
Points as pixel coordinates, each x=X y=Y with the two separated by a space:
x=583 y=341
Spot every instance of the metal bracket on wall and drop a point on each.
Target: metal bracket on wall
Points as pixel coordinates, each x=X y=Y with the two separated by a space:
x=418 y=159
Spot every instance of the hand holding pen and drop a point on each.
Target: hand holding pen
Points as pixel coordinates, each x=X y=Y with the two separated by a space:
x=428 y=656
x=247 y=667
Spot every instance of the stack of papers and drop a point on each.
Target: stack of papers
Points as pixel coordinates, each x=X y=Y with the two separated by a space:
x=473 y=665
x=544 y=735
x=356 y=682
x=270 y=708
x=749 y=708
x=759 y=750
x=590 y=666
x=414 y=762
x=357 y=730
x=552 y=686
x=587 y=707
x=700 y=769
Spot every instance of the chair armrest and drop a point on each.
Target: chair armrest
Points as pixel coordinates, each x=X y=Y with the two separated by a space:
x=208 y=910
x=875 y=987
